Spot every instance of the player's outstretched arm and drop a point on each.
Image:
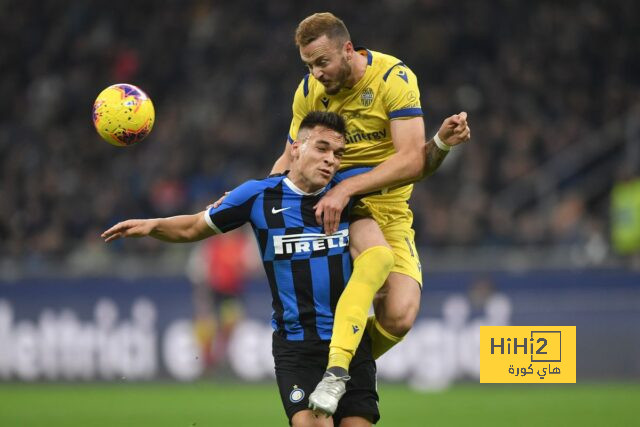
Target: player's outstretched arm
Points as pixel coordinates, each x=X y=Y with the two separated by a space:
x=176 y=229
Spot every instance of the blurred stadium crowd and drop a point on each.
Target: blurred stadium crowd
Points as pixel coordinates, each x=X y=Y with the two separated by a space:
x=538 y=80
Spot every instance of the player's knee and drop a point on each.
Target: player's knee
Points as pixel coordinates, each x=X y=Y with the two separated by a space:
x=378 y=259
x=305 y=418
x=398 y=326
x=386 y=258
x=399 y=322
x=355 y=422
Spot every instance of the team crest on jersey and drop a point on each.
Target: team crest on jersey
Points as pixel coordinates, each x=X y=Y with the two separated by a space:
x=366 y=98
x=296 y=395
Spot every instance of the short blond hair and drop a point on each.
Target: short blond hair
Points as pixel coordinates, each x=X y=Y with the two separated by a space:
x=318 y=25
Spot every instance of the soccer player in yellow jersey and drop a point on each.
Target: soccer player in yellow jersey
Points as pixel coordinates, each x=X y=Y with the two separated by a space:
x=378 y=96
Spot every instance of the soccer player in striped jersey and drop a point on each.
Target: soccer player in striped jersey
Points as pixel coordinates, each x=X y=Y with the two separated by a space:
x=307 y=270
x=378 y=96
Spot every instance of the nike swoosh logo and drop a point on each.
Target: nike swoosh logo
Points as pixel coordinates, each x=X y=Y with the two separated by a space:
x=275 y=211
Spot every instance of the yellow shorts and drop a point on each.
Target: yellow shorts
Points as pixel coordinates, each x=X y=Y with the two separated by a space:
x=395 y=220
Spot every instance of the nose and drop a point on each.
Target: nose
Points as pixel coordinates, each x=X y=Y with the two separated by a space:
x=316 y=72
x=330 y=158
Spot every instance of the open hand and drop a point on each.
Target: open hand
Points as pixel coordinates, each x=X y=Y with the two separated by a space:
x=129 y=228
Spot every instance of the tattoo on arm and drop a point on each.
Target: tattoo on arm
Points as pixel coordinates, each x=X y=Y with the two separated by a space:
x=434 y=157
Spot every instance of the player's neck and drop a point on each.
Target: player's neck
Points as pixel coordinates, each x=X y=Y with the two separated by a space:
x=302 y=185
x=358 y=68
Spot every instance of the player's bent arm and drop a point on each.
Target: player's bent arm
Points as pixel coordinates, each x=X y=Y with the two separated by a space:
x=453 y=131
x=284 y=162
x=405 y=165
x=433 y=158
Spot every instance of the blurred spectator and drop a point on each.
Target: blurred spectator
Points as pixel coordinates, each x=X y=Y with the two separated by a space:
x=537 y=79
x=218 y=269
x=625 y=216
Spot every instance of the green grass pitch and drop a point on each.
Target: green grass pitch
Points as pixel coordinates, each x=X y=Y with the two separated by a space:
x=208 y=404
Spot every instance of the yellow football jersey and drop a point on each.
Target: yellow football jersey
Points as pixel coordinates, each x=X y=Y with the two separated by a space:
x=387 y=91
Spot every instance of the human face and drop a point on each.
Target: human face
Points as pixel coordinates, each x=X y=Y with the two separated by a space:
x=316 y=157
x=327 y=62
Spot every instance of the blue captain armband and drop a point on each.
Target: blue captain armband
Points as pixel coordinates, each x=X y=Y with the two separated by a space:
x=405 y=112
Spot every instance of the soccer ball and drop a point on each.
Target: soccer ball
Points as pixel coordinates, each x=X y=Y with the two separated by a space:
x=123 y=114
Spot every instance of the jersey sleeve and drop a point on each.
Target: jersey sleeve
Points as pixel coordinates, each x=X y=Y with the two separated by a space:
x=235 y=209
x=300 y=108
x=401 y=96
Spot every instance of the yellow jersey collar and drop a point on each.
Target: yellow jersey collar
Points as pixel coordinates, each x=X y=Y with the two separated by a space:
x=360 y=50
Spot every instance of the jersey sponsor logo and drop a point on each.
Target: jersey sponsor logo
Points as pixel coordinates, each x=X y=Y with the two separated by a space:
x=309 y=242
x=366 y=97
x=358 y=135
x=275 y=211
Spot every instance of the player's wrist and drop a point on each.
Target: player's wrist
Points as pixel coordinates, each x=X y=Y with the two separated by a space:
x=440 y=144
x=346 y=188
x=155 y=224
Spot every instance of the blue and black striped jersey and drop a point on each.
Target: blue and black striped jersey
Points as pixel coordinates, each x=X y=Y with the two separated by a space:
x=307 y=270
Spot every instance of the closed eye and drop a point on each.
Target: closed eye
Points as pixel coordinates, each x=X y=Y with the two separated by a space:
x=320 y=62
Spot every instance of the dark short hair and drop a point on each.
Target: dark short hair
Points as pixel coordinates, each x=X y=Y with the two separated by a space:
x=327 y=119
x=321 y=24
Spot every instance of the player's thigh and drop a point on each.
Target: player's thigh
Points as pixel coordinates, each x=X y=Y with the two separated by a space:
x=307 y=418
x=397 y=303
x=355 y=422
x=400 y=237
x=365 y=233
